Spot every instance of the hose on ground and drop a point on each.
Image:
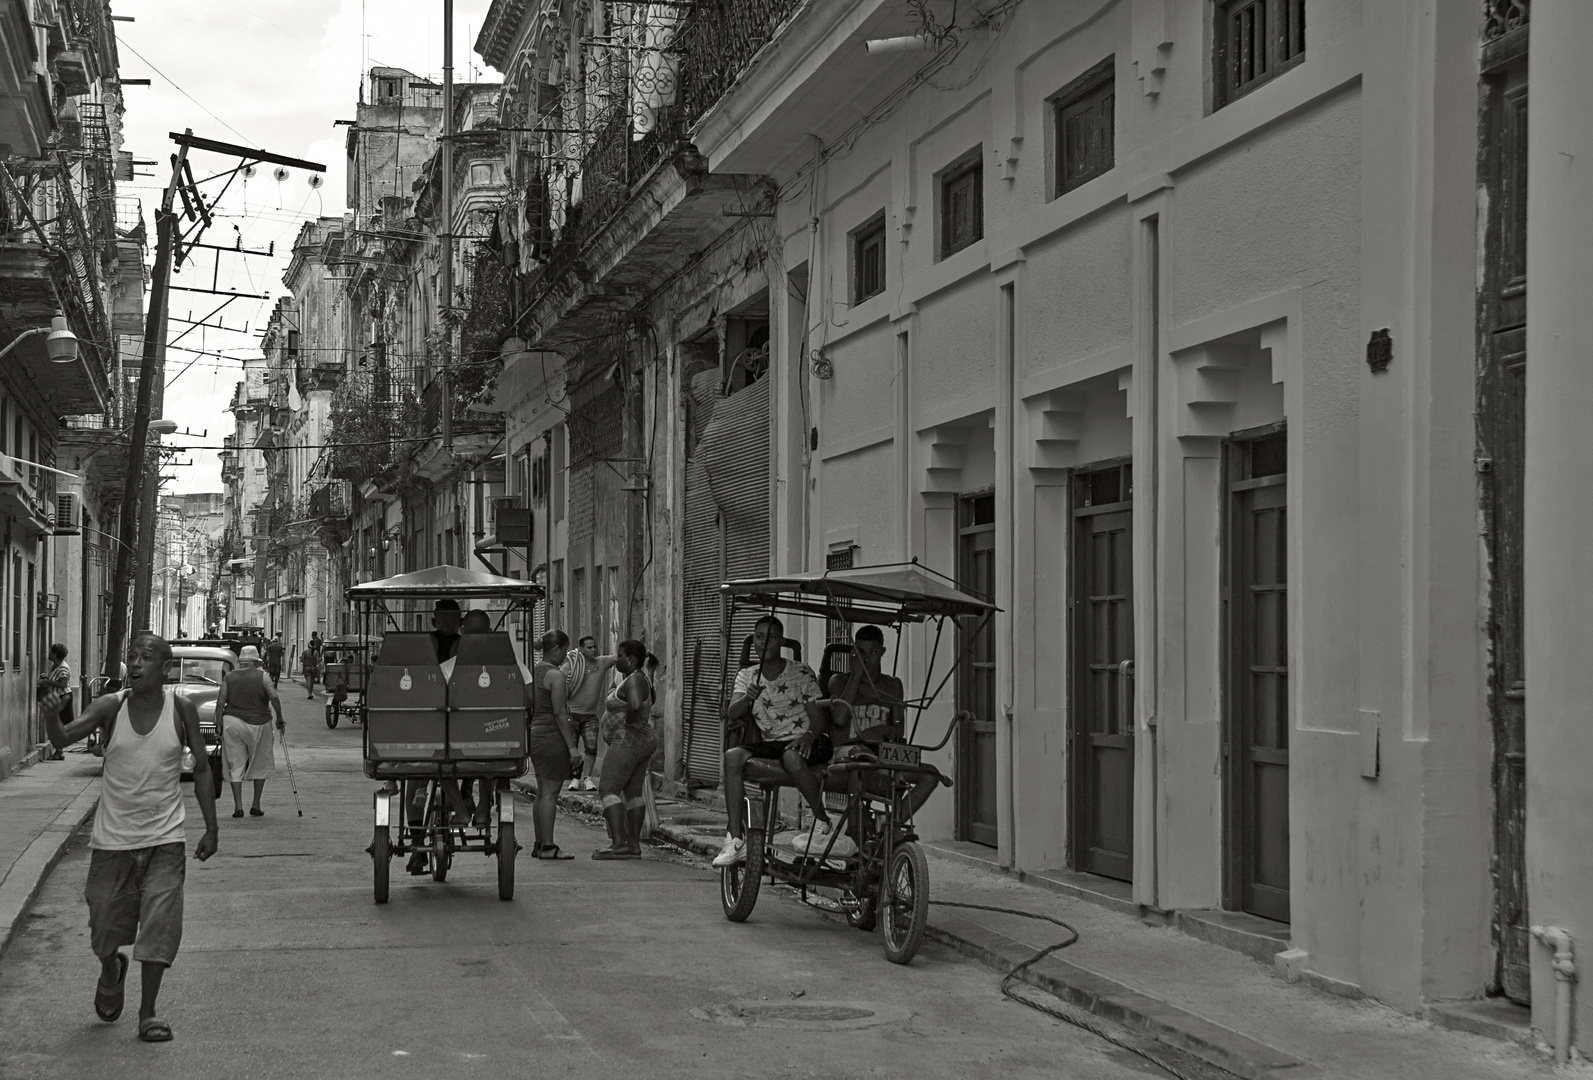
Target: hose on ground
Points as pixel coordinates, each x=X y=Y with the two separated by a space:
x=1061 y=1010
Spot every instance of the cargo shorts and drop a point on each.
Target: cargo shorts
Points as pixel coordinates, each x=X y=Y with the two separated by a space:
x=135 y=898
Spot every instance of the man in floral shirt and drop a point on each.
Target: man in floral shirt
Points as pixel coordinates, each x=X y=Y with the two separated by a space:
x=782 y=697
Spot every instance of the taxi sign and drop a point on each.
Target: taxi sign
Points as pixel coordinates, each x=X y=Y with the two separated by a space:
x=900 y=754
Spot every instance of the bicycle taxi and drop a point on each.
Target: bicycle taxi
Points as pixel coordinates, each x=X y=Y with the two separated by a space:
x=433 y=730
x=345 y=666
x=872 y=859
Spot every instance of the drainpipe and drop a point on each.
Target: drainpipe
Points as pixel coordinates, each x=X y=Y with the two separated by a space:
x=1564 y=975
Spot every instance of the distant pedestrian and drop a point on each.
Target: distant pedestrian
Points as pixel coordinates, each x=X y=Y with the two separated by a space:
x=585 y=673
x=137 y=865
x=551 y=740
x=274 y=653
x=59 y=679
x=310 y=666
x=628 y=730
x=245 y=702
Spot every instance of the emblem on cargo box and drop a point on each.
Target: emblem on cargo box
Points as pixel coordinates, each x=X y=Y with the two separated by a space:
x=406 y=682
x=484 y=680
x=495 y=725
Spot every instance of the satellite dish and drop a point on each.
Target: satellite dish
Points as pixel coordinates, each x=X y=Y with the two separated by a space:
x=249 y=171
x=279 y=174
x=316 y=180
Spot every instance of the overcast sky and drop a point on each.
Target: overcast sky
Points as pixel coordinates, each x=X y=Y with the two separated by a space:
x=272 y=74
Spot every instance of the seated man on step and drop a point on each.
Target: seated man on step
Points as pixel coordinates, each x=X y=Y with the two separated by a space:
x=782 y=697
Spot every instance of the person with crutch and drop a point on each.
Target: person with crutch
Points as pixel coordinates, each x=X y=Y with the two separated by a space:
x=245 y=702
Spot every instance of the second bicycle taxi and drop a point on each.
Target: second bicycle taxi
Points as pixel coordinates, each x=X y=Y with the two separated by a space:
x=872 y=860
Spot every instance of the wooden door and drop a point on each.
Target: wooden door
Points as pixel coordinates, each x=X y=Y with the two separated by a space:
x=976 y=673
x=1101 y=701
x=1258 y=691
x=1501 y=444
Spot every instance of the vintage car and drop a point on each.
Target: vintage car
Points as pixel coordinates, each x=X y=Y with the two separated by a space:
x=195 y=672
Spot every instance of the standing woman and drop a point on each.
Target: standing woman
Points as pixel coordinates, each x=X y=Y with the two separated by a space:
x=551 y=741
x=244 y=702
x=59 y=679
x=628 y=729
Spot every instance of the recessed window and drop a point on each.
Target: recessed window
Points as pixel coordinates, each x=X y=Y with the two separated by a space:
x=1257 y=40
x=1083 y=114
x=868 y=259
x=962 y=209
x=481 y=172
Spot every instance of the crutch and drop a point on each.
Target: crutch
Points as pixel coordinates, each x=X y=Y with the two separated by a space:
x=291 y=782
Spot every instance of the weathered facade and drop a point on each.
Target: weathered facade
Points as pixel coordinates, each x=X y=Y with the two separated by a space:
x=69 y=249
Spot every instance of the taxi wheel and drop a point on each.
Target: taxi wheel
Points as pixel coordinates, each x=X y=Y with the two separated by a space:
x=331 y=715
x=506 y=852
x=381 y=855
x=440 y=858
x=739 y=882
x=904 y=900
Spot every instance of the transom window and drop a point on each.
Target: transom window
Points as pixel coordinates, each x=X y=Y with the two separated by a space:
x=962 y=211
x=1257 y=40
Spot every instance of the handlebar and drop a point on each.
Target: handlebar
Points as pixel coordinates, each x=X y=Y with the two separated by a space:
x=961 y=716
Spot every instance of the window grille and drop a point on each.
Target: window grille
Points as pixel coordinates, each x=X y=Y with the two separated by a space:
x=962 y=215
x=1257 y=40
x=836 y=631
x=1084 y=114
x=868 y=260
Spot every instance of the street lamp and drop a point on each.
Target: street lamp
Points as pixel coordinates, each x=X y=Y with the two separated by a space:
x=61 y=344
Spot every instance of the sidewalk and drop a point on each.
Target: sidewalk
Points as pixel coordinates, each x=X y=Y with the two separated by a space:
x=41 y=807
x=1209 y=1010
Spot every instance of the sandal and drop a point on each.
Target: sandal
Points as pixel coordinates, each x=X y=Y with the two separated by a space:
x=238 y=812
x=604 y=854
x=108 y=1003
x=550 y=851
x=154 y=1029
x=254 y=811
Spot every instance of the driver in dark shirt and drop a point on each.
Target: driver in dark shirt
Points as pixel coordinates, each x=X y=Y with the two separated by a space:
x=445 y=619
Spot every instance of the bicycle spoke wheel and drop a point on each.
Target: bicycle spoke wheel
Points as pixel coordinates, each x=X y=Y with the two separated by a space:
x=904 y=903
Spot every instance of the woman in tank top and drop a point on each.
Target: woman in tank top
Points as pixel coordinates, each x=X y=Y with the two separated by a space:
x=245 y=703
x=550 y=740
x=628 y=728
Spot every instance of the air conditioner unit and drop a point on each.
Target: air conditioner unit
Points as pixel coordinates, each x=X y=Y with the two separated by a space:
x=68 y=514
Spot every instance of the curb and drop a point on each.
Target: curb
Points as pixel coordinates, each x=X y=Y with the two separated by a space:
x=1172 y=1028
x=586 y=804
x=22 y=882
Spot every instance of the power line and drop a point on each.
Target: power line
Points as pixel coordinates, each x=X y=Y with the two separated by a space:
x=180 y=90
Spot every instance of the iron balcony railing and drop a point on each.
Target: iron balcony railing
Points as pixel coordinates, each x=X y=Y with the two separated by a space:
x=718 y=42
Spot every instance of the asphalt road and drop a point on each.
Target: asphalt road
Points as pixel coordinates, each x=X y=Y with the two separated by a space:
x=629 y=969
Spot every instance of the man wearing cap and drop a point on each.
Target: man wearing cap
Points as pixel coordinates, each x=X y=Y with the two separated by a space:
x=245 y=703
x=445 y=629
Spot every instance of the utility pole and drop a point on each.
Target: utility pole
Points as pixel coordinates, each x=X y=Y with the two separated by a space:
x=448 y=226
x=148 y=373
x=151 y=383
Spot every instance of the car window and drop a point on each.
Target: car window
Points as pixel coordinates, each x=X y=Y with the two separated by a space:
x=197 y=670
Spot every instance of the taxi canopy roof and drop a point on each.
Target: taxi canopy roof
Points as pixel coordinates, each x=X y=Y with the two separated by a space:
x=446 y=582
x=894 y=593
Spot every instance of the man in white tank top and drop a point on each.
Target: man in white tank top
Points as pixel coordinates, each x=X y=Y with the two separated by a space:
x=137 y=866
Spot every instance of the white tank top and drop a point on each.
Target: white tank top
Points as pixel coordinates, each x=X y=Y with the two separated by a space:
x=141 y=795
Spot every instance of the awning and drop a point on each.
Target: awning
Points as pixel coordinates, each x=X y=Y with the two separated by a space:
x=895 y=593
x=446 y=582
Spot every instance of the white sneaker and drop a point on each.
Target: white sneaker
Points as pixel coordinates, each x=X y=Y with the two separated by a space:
x=588 y=784
x=734 y=851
